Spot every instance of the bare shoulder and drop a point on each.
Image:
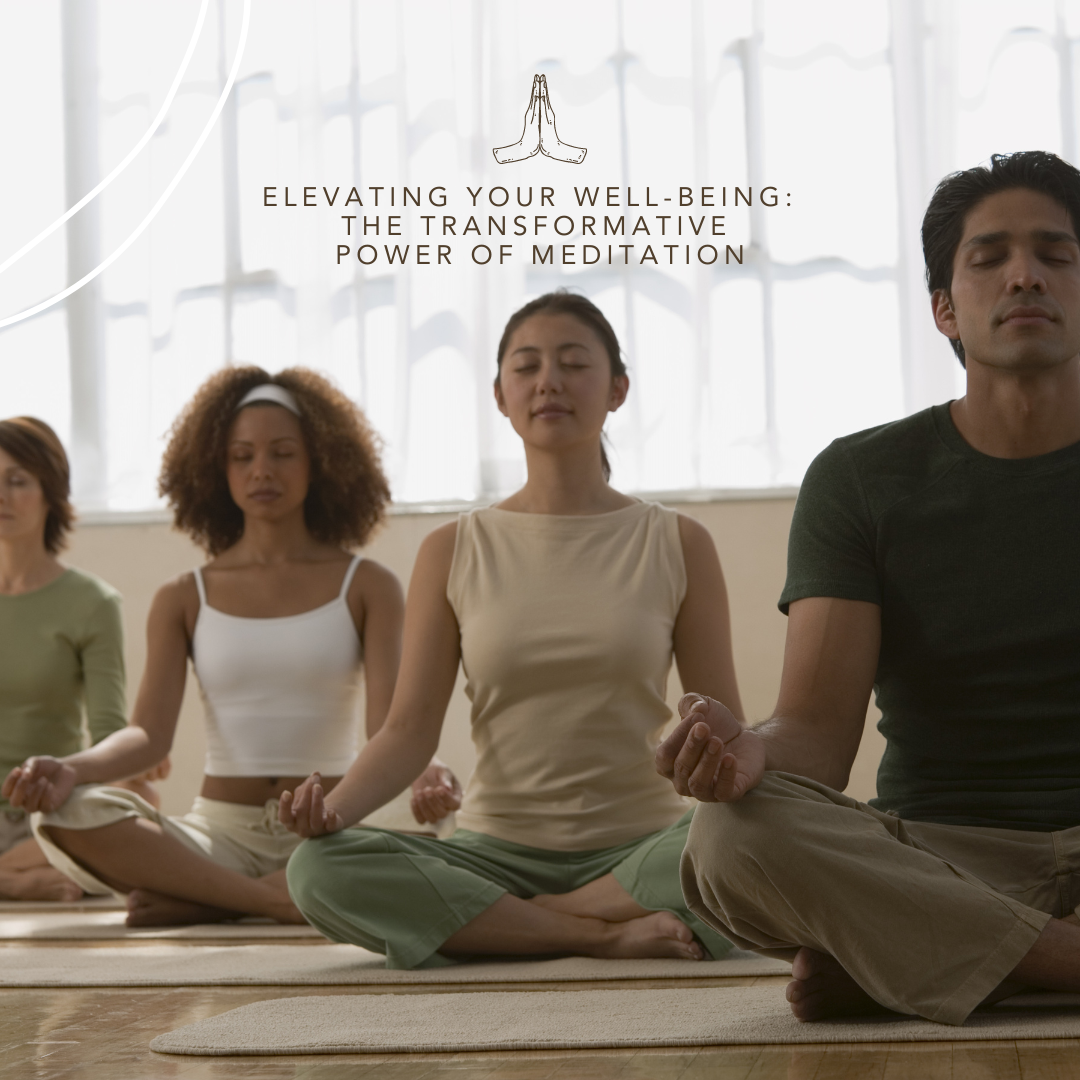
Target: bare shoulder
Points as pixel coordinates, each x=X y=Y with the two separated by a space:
x=177 y=597
x=373 y=582
x=696 y=539
x=175 y=608
x=437 y=549
x=441 y=539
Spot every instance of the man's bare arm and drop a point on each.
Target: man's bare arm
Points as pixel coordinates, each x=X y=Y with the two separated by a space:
x=830 y=660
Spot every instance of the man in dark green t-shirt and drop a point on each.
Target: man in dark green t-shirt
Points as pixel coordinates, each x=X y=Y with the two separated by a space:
x=935 y=560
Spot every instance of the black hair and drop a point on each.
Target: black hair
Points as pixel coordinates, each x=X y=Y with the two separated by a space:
x=564 y=302
x=960 y=192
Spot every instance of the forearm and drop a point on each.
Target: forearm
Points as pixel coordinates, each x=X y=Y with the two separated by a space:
x=124 y=753
x=393 y=758
x=802 y=748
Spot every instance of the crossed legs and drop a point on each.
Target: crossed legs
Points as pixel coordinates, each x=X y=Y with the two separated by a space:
x=166 y=881
x=25 y=874
x=883 y=913
x=600 y=919
x=424 y=902
x=820 y=987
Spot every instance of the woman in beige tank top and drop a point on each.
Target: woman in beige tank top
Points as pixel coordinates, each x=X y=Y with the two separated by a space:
x=565 y=603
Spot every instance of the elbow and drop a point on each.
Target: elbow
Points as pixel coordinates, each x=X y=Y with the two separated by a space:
x=410 y=737
x=155 y=746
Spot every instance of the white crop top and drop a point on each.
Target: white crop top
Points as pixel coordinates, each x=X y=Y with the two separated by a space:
x=279 y=693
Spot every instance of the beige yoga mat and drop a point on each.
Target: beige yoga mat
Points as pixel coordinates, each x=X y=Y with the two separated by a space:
x=87 y=903
x=326 y=965
x=452 y=1023
x=107 y=924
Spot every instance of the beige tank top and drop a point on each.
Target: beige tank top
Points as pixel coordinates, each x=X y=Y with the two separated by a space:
x=566 y=627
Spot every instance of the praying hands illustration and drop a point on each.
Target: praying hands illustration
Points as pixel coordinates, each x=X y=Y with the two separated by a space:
x=539 y=132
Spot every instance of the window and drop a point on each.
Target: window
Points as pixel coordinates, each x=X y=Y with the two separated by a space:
x=741 y=370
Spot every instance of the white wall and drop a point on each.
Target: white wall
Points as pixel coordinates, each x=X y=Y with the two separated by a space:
x=751 y=536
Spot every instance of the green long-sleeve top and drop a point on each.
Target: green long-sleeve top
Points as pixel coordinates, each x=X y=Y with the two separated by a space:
x=61 y=649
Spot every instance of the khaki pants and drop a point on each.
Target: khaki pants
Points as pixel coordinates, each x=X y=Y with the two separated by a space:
x=247 y=839
x=928 y=919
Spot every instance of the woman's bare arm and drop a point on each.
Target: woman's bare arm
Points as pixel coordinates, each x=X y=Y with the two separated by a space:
x=702 y=635
x=44 y=783
x=377 y=605
x=399 y=751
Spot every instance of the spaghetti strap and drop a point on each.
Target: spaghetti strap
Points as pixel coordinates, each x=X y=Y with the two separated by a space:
x=356 y=561
x=201 y=587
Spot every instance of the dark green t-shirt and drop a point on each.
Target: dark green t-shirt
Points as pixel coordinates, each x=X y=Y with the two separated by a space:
x=975 y=562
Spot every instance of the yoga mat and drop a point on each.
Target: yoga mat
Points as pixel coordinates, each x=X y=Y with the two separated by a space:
x=108 y=925
x=452 y=1023
x=326 y=965
x=87 y=903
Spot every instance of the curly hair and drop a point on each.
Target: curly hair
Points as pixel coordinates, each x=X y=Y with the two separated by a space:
x=37 y=448
x=348 y=491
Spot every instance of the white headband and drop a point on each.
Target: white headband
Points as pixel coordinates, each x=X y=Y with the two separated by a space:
x=273 y=393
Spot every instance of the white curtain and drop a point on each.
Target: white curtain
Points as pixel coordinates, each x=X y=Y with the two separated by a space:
x=741 y=371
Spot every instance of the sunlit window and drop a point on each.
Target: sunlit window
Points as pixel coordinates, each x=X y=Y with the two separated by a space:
x=741 y=371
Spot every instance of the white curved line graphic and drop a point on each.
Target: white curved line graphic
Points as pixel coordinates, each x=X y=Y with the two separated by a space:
x=105 y=264
x=30 y=245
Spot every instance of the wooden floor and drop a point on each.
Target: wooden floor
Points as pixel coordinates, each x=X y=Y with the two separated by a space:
x=104 y=1034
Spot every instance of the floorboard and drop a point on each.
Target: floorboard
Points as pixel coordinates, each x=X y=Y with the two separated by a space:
x=104 y=1034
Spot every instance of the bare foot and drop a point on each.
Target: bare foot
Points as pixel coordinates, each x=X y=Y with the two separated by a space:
x=38 y=883
x=822 y=988
x=658 y=936
x=146 y=908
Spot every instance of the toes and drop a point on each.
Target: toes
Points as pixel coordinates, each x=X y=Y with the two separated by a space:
x=807 y=1002
x=809 y=962
x=808 y=1008
x=683 y=933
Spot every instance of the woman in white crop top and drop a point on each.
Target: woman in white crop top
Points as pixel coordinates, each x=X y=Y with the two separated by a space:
x=565 y=604
x=274 y=477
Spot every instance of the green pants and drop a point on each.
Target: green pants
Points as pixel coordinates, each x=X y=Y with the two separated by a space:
x=403 y=896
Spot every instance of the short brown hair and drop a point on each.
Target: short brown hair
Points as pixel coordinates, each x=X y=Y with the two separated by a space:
x=37 y=448
x=347 y=494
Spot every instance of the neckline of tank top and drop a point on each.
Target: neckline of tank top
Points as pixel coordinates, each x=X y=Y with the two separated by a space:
x=539 y=521
x=273 y=618
x=341 y=598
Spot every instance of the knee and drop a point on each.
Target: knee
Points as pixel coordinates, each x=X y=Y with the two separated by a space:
x=326 y=867
x=306 y=873
x=738 y=829
x=729 y=842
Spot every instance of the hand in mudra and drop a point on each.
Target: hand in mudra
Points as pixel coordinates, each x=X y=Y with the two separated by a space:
x=550 y=143
x=710 y=755
x=529 y=142
x=39 y=783
x=304 y=812
x=435 y=793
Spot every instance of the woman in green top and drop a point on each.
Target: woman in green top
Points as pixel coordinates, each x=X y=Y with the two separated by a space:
x=63 y=643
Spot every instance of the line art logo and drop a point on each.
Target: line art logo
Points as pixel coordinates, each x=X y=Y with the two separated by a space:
x=539 y=133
